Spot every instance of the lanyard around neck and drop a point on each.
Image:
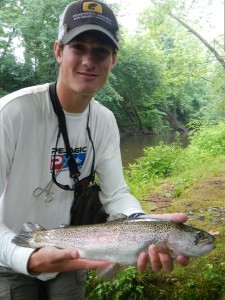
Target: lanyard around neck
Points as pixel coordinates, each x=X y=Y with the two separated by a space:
x=73 y=168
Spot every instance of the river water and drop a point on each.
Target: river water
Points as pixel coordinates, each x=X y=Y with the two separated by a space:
x=132 y=146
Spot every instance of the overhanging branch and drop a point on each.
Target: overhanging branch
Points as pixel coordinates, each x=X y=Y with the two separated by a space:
x=215 y=53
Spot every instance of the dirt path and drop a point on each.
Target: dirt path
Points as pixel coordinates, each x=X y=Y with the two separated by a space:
x=204 y=200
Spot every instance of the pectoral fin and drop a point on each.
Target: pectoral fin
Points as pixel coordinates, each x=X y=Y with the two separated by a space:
x=108 y=273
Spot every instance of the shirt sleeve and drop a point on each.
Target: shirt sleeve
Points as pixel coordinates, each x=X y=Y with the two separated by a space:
x=16 y=257
x=6 y=154
x=115 y=194
x=11 y=255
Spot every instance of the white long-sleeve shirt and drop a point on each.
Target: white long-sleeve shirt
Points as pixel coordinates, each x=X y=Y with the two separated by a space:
x=28 y=132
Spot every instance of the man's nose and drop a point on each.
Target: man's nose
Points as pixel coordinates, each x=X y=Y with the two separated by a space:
x=88 y=59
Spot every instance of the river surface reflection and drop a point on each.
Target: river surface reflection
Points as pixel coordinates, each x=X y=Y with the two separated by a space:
x=132 y=146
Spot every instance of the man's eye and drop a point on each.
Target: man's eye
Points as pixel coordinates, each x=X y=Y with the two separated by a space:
x=77 y=46
x=103 y=51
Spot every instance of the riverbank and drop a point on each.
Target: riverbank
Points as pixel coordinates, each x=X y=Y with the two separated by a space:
x=204 y=277
x=132 y=146
x=207 y=194
x=170 y=178
x=204 y=203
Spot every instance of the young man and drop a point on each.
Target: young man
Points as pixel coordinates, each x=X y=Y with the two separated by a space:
x=86 y=51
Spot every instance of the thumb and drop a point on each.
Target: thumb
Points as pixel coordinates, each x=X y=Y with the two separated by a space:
x=63 y=254
x=175 y=217
x=71 y=253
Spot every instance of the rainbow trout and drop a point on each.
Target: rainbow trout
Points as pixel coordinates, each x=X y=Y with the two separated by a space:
x=119 y=241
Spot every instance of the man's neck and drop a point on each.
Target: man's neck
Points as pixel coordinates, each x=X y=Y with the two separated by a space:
x=70 y=101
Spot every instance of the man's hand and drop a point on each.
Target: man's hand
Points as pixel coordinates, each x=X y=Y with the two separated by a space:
x=158 y=256
x=50 y=259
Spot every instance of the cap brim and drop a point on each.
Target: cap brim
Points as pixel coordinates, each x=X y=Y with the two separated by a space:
x=68 y=36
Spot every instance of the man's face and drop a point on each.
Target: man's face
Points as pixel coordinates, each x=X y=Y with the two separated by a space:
x=85 y=64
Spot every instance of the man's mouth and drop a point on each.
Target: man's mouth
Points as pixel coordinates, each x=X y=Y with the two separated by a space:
x=89 y=75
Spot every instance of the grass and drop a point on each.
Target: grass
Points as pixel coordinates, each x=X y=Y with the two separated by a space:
x=171 y=179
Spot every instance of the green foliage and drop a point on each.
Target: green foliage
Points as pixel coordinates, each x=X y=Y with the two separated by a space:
x=186 y=165
x=202 y=280
x=127 y=285
x=31 y=28
x=210 y=139
x=188 y=72
x=137 y=79
x=109 y=97
x=162 y=160
x=157 y=163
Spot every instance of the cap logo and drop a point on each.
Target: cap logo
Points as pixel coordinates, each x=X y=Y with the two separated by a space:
x=66 y=29
x=92 y=6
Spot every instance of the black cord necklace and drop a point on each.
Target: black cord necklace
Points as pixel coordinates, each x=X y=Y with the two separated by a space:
x=73 y=168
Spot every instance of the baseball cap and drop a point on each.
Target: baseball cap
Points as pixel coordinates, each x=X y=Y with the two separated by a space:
x=81 y=16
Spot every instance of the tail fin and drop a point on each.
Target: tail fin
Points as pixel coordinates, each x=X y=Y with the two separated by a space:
x=23 y=238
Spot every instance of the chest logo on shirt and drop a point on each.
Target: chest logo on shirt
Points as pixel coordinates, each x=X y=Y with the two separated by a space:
x=60 y=155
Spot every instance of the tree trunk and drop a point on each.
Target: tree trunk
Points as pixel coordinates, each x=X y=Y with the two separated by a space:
x=137 y=115
x=127 y=113
x=215 y=53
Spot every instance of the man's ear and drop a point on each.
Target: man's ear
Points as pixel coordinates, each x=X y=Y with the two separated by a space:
x=115 y=55
x=113 y=65
x=58 y=52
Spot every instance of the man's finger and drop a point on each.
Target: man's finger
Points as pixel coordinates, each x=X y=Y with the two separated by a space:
x=84 y=264
x=154 y=260
x=167 y=262
x=176 y=217
x=142 y=261
x=182 y=260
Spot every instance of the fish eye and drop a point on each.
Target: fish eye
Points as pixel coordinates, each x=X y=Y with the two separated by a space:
x=199 y=236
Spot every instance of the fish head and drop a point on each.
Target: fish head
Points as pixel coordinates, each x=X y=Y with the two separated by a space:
x=190 y=242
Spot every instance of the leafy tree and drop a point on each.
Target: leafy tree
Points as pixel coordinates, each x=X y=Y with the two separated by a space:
x=137 y=78
x=109 y=97
x=33 y=25
x=186 y=72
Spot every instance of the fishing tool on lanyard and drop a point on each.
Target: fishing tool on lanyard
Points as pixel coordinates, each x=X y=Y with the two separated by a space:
x=49 y=196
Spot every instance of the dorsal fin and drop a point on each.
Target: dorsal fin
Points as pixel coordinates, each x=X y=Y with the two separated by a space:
x=117 y=217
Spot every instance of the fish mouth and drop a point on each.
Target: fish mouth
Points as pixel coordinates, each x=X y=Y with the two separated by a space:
x=204 y=249
x=208 y=245
x=199 y=251
x=208 y=248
